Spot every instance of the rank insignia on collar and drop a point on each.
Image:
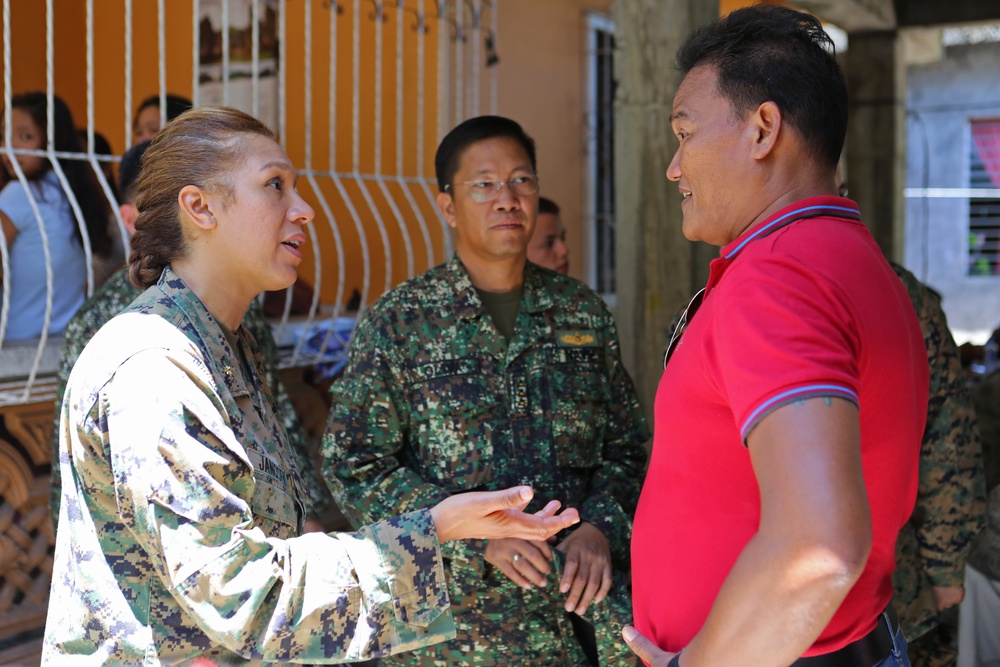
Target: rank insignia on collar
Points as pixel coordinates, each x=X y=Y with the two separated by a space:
x=228 y=370
x=579 y=338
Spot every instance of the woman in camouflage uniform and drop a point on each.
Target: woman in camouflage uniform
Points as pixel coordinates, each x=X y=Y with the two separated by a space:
x=179 y=528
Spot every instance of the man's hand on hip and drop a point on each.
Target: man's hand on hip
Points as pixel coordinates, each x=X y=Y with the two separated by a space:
x=644 y=647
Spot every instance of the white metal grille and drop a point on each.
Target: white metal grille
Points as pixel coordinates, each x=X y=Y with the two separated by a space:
x=416 y=68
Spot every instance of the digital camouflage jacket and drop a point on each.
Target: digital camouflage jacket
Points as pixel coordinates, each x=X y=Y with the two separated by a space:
x=933 y=547
x=180 y=510
x=434 y=401
x=112 y=298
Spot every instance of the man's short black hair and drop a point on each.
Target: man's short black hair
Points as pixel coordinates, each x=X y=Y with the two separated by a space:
x=546 y=205
x=472 y=131
x=128 y=171
x=773 y=53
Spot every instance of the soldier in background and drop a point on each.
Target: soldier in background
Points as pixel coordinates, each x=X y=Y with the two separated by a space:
x=932 y=549
x=487 y=371
x=116 y=294
x=548 y=247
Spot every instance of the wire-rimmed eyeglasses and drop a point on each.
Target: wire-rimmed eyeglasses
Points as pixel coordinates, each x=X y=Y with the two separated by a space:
x=484 y=191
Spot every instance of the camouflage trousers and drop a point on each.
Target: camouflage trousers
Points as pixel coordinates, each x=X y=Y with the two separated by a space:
x=936 y=648
x=501 y=625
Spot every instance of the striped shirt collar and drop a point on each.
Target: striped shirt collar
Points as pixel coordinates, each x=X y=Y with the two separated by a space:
x=814 y=207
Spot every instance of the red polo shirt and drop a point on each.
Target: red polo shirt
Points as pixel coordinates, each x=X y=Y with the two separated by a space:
x=802 y=304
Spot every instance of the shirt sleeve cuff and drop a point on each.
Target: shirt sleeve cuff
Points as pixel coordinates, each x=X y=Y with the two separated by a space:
x=407 y=574
x=946 y=577
x=797 y=394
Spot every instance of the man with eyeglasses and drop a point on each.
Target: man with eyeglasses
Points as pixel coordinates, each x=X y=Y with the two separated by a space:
x=481 y=372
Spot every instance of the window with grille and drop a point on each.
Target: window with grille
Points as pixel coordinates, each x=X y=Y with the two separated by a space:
x=359 y=92
x=984 y=212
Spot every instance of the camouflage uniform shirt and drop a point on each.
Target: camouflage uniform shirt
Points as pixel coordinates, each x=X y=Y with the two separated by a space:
x=112 y=298
x=933 y=547
x=433 y=402
x=180 y=510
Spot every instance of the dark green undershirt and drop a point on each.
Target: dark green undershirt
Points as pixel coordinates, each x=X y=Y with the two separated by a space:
x=231 y=337
x=503 y=308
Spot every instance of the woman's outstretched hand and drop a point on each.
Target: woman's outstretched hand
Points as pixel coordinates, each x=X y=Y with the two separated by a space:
x=491 y=515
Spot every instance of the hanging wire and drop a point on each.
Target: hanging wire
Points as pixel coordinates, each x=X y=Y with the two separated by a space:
x=57 y=169
x=400 y=134
x=379 y=178
x=491 y=57
x=282 y=73
x=359 y=179
x=324 y=204
x=444 y=68
x=196 y=51
x=476 y=10
x=91 y=157
x=8 y=150
x=335 y=175
x=225 y=52
x=421 y=116
x=161 y=41
x=255 y=57
x=459 y=65
x=128 y=72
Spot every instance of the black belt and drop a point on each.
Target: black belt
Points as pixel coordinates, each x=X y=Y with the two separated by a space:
x=868 y=651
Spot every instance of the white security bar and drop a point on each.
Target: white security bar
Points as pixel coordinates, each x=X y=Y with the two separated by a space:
x=91 y=156
x=951 y=193
x=369 y=187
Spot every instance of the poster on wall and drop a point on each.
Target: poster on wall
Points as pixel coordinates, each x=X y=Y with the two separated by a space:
x=212 y=78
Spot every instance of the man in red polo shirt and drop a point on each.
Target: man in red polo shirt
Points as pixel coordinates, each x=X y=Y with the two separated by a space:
x=789 y=416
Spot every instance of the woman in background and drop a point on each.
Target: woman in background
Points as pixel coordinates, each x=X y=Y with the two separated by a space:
x=23 y=231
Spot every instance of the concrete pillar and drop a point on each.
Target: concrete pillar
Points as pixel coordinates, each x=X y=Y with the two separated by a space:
x=876 y=135
x=656 y=269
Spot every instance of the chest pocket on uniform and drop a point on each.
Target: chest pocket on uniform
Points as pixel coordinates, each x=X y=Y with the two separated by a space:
x=579 y=393
x=453 y=424
x=273 y=501
x=275 y=512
